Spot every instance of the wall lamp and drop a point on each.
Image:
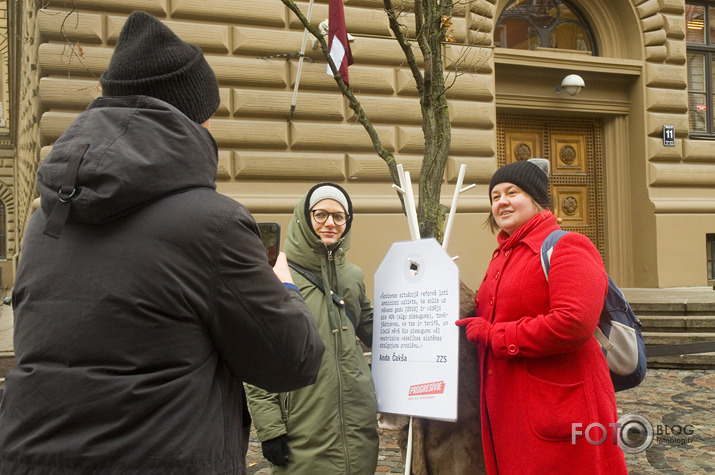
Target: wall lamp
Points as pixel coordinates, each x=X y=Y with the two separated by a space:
x=571 y=84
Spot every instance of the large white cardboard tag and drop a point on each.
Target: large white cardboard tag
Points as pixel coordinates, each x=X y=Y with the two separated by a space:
x=415 y=341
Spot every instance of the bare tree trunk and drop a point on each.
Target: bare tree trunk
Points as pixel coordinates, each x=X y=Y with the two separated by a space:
x=435 y=113
x=438 y=446
x=452 y=447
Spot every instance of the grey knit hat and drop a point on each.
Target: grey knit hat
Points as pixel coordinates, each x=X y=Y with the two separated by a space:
x=326 y=192
x=531 y=175
x=151 y=60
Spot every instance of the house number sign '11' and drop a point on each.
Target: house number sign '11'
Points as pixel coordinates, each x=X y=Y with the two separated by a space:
x=669 y=135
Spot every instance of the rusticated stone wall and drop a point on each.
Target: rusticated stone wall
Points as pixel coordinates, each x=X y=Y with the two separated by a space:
x=19 y=148
x=27 y=147
x=267 y=161
x=7 y=150
x=252 y=46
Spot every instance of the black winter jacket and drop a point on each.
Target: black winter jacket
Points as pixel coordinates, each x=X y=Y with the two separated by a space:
x=135 y=329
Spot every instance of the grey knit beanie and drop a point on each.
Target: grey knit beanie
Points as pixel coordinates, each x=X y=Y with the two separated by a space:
x=325 y=192
x=151 y=60
x=531 y=175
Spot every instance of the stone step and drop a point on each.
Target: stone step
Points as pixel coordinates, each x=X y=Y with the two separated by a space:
x=671 y=301
x=691 y=361
x=673 y=308
x=674 y=338
x=678 y=323
x=697 y=361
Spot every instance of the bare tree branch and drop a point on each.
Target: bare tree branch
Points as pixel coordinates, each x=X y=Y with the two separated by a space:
x=354 y=104
x=433 y=25
x=404 y=44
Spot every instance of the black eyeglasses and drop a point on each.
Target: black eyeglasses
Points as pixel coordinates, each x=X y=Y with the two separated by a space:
x=321 y=216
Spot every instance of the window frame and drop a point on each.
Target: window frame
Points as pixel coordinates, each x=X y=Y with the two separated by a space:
x=543 y=33
x=707 y=51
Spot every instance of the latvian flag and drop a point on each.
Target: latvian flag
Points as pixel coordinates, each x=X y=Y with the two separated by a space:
x=338 y=39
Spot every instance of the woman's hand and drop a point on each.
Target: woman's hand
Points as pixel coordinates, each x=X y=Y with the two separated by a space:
x=478 y=330
x=282 y=270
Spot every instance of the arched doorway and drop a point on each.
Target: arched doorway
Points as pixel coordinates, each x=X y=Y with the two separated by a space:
x=587 y=136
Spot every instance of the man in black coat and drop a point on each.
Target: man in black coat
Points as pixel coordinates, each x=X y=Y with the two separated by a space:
x=143 y=298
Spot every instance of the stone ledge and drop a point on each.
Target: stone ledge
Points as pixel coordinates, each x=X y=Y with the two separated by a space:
x=698 y=361
x=6 y=363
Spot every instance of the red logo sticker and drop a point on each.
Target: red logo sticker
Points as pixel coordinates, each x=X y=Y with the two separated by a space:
x=427 y=388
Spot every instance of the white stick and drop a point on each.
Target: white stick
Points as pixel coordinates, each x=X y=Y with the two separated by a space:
x=410 y=207
x=408 y=452
x=457 y=190
x=406 y=189
x=300 y=64
x=401 y=175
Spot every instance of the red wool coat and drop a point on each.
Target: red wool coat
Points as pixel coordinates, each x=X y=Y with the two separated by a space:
x=543 y=371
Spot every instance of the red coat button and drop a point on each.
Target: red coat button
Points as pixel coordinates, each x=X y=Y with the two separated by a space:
x=496 y=276
x=512 y=348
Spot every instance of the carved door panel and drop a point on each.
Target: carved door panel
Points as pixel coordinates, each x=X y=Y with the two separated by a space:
x=573 y=147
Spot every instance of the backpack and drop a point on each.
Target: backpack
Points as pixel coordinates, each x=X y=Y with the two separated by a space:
x=618 y=331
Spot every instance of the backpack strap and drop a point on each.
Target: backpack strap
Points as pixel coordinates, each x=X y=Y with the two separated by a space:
x=602 y=339
x=318 y=283
x=547 y=248
x=61 y=210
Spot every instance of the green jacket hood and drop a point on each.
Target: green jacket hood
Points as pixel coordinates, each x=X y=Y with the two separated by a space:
x=303 y=245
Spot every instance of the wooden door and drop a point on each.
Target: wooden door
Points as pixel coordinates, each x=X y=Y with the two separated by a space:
x=573 y=147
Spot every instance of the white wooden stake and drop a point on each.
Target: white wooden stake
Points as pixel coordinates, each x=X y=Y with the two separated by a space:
x=408 y=451
x=457 y=190
x=410 y=205
x=406 y=189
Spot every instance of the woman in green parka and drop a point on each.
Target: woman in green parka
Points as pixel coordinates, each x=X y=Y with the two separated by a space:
x=331 y=426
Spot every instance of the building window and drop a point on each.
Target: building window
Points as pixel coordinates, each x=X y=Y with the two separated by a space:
x=710 y=250
x=700 y=37
x=543 y=25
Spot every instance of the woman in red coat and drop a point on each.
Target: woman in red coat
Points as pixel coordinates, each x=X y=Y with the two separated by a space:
x=546 y=390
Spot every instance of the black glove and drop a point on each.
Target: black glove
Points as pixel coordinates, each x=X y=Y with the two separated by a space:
x=276 y=450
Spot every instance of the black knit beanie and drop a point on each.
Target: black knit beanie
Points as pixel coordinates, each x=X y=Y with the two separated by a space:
x=151 y=60
x=531 y=175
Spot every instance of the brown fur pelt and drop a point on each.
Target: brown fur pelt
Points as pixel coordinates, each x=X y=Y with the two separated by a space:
x=454 y=448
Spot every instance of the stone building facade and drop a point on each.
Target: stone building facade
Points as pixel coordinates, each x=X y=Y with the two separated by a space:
x=644 y=196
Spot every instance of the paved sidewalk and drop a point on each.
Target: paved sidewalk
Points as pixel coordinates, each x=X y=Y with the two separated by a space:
x=672 y=400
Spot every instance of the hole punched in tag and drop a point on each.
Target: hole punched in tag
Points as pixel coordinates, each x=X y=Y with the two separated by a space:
x=414 y=266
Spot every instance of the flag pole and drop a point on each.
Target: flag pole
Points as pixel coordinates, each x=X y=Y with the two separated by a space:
x=300 y=64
